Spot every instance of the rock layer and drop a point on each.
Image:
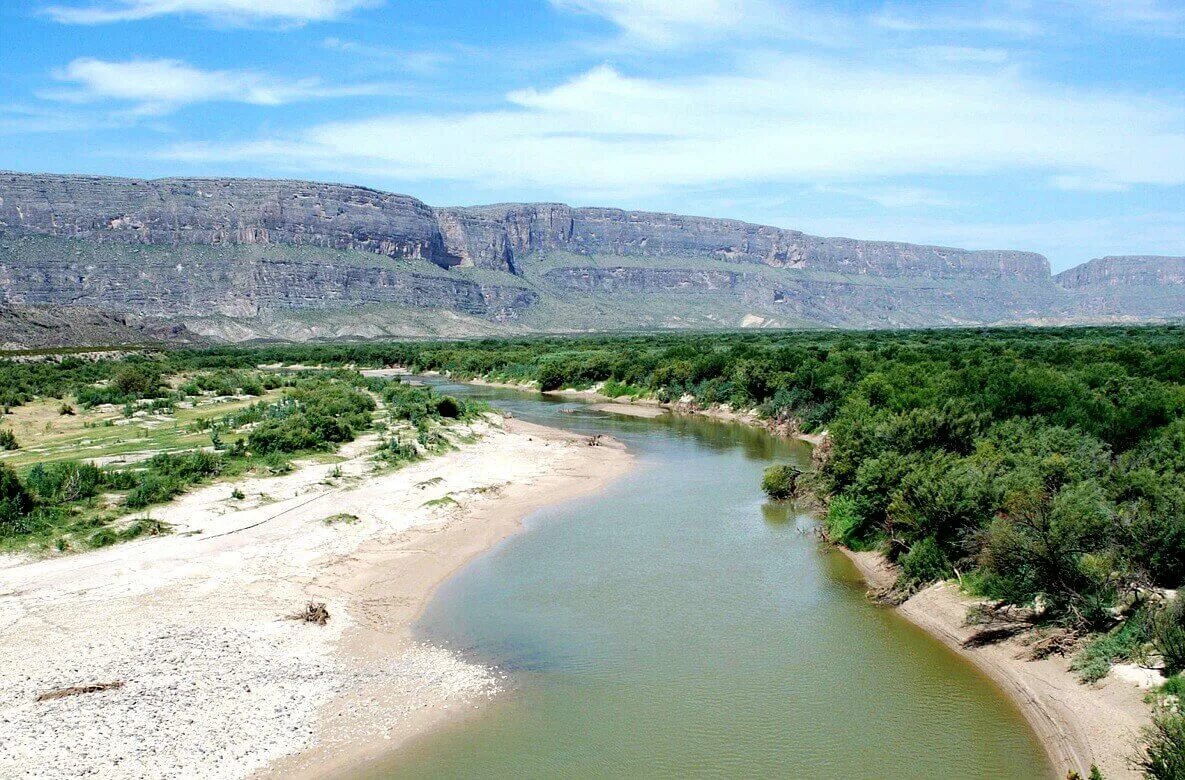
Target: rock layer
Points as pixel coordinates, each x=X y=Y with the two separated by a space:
x=248 y=258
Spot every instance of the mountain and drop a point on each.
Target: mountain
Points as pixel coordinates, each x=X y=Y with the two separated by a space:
x=1136 y=287
x=239 y=259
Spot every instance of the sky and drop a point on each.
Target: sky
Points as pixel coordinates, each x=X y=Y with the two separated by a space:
x=1055 y=126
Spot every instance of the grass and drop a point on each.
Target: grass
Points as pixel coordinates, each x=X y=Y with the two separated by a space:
x=445 y=500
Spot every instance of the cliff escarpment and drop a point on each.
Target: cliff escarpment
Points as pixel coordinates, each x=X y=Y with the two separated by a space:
x=247 y=258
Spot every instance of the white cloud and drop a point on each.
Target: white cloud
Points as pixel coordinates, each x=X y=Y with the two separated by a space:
x=1007 y=24
x=286 y=11
x=160 y=86
x=784 y=120
x=895 y=196
x=662 y=21
x=659 y=24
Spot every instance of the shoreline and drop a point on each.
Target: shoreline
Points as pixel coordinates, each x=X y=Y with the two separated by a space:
x=348 y=739
x=650 y=407
x=216 y=681
x=1078 y=724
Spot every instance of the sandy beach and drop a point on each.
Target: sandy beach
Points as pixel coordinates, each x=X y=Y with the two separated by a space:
x=213 y=679
x=1078 y=724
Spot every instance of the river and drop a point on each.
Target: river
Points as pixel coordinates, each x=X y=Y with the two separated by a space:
x=678 y=624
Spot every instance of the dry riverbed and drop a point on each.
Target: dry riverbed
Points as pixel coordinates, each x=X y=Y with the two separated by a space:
x=208 y=675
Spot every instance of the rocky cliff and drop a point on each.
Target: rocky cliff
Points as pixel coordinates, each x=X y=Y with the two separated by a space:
x=1130 y=287
x=214 y=212
x=245 y=258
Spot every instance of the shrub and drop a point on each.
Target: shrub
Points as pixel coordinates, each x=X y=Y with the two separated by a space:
x=8 y=440
x=1168 y=635
x=65 y=481
x=780 y=481
x=1163 y=756
x=104 y=537
x=15 y=501
x=153 y=489
x=843 y=523
x=925 y=562
x=1123 y=643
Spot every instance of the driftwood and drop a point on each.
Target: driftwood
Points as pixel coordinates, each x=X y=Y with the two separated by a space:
x=74 y=690
x=313 y=612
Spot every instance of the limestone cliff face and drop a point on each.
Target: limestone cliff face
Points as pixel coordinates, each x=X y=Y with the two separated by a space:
x=1129 y=287
x=497 y=236
x=216 y=212
x=1125 y=271
x=220 y=212
x=280 y=259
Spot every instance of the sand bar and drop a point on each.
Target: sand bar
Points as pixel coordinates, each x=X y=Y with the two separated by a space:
x=217 y=681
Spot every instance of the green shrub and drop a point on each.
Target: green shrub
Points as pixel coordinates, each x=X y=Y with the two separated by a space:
x=1174 y=686
x=1163 y=756
x=1168 y=635
x=1121 y=644
x=104 y=537
x=15 y=502
x=153 y=489
x=65 y=481
x=8 y=440
x=780 y=481
x=925 y=562
x=843 y=523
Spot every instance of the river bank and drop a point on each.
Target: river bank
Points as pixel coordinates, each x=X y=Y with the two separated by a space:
x=208 y=677
x=1078 y=724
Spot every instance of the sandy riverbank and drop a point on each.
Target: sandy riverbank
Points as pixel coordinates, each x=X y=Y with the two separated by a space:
x=217 y=682
x=1078 y=724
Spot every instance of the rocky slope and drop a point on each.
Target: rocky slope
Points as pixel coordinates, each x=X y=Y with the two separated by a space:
x=1134 y=287
x=244 y=258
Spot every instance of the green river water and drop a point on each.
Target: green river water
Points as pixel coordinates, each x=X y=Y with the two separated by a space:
x=678 y=625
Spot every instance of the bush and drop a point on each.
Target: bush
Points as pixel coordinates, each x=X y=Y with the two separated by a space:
x=843 y=523
x=15 y=501
x=1168 y=635
x=925 y=562
x=153 y=489
x=780 y=481
x=65 y=481
x=8 y=440
x=1123 y=643
x=1163 y=756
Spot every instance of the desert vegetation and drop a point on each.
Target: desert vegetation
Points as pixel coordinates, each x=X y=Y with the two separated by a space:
x=144 y=429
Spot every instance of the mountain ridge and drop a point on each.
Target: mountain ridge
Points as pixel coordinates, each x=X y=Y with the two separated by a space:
x=283 y=258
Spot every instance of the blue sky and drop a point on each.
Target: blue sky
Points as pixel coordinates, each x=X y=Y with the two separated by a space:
x=1056 y=126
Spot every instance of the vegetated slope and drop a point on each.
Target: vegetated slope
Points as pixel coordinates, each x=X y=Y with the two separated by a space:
x=244 y=258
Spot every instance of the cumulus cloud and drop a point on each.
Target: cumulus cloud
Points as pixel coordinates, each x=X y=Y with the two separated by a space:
x=160 y=86
x=286 y=11
x=783 y=120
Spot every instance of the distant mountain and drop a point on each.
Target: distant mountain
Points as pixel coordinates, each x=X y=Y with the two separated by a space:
x=1136 y=287
x=240 y=259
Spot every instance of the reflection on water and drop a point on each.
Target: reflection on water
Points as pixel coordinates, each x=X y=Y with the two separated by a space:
x=678 y=624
